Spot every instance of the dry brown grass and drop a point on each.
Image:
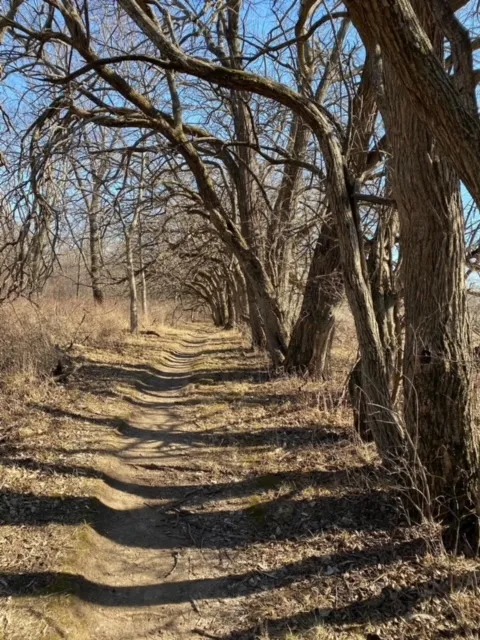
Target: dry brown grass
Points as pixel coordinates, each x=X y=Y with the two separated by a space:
x=52 y=439
x=315 y=527
x=304 y=524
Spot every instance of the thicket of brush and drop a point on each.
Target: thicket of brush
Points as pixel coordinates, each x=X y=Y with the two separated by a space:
x=36 y=335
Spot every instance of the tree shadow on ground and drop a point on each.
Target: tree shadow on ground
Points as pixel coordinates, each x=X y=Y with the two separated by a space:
x=391 y=604
x=233 y=585
x=100 y=378
x=31 y=464
x=288 y=438
x=199 y=515
x=287 y=517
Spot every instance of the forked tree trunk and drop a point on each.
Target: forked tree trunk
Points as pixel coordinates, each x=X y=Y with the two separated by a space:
x=437 y=361
x=311 y=340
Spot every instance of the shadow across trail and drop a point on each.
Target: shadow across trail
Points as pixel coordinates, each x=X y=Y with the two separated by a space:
x=235 y=584
x=166 y=527
x=391 y=603
x=285 y=518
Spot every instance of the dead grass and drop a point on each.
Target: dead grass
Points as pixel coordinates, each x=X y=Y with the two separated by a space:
x=298 y=519
x=52 y=439
x=315 y=527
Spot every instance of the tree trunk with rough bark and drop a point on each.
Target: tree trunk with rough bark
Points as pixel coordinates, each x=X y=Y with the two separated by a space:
x=94 y=241
x=310 y=344
x=132 y=285
x=312 y=335
x=259 y=340
x=231 y=322
x=437 y=361
x=239 y=293
x=447 y=108
x=386 y=305
x=437 y=358
x=279 y=237
x=143 y=277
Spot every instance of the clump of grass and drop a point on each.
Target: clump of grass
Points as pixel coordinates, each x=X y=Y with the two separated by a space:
x=257 y=509
x=81 y=322
x=33 y=335
x=26 y=346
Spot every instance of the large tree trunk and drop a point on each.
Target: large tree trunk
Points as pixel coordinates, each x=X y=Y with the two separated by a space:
x=383 y=421
x=231 y=308
x=437 y=360
x=263 y=299
x=310 y=343
x=221 y=294
x=386 y=299
x=386 y=306
x=239 y=292
x=259 y=340
x=448 y=109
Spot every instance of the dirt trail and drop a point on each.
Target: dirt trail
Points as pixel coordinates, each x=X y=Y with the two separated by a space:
x=229 y=505
x=143 y=576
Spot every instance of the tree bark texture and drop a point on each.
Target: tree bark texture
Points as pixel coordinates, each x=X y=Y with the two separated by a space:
x=437 y=359
x=310 y=343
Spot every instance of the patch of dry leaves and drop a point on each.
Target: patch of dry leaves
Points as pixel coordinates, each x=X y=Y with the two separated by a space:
x=306 y=524
x=294 y=511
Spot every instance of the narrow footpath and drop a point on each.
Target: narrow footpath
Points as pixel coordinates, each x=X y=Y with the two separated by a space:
x=143 y=577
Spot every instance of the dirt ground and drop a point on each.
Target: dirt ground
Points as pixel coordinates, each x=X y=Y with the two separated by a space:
x=173 y=490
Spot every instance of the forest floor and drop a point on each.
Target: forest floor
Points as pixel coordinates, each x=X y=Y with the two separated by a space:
x=172 y=490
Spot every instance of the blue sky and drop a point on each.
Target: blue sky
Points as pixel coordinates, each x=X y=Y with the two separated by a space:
x=19 y=101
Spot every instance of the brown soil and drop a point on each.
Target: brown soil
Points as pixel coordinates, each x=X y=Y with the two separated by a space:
x=227 y=505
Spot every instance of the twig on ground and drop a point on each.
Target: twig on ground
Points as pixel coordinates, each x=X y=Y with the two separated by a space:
x=175 y=555
x=205 y=634
x=172 y=505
